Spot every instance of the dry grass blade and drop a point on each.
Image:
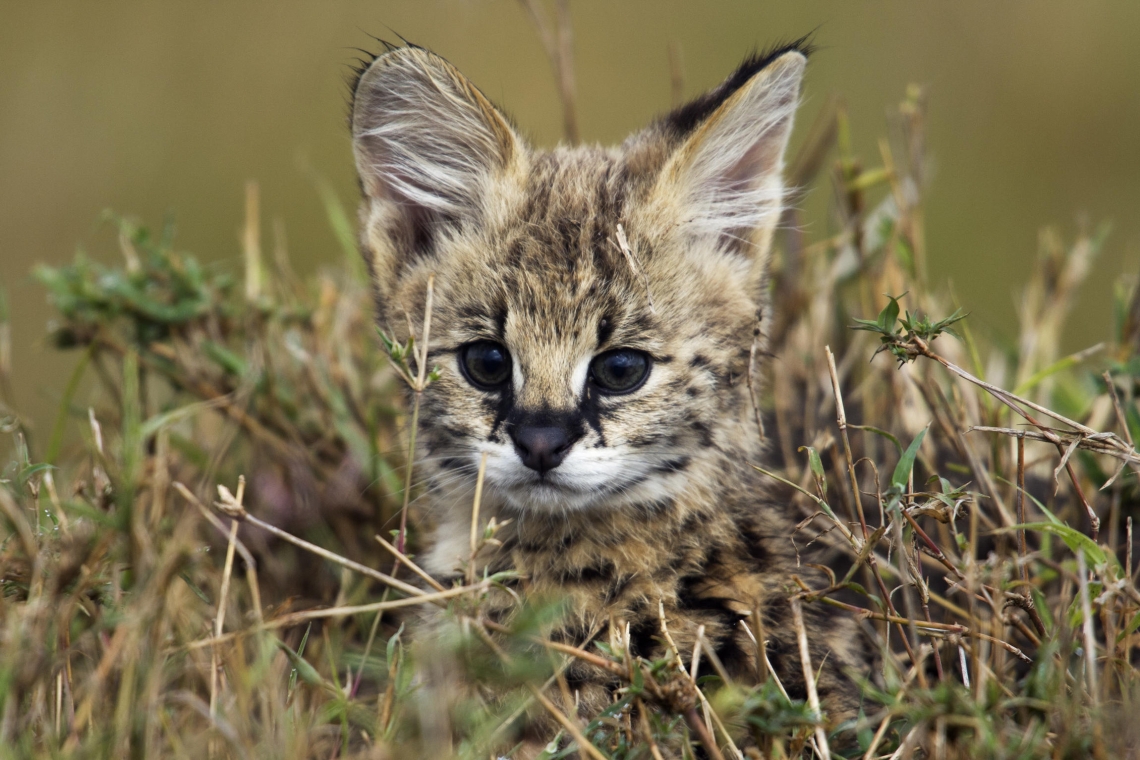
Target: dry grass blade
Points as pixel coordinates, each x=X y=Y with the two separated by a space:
x=251 y=242
x=246 y=555
x=238 y=513
x=557 y=41
x=475 y=503
x=1097 y=443
x=627 y=252
x=809 y=677
x=407 y=562
x=571 y=727
x=295 y=618
x=1087 y=627
x=223 y=598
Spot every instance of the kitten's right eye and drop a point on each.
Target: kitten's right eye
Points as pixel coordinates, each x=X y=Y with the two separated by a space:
x=485 y=364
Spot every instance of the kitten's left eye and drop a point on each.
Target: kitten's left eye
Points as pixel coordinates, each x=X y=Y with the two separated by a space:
x=487 y=365
x=622 y=370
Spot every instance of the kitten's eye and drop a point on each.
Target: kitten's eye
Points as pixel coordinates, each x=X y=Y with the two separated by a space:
x=486 y=365
x=619 y=371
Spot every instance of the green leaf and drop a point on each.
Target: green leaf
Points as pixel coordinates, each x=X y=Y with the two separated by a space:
x=55 y=443
x=637 y=685
x=165 y=419
x=906 y=462
x=869 y=325
x=1130 y=628
x=224 y=358
x=132 y=451
x=878 y=431
x=391 y=649
x=1061 y=364
x=863 y=731
x=816 y=467
x=905 y=254
x=194 y=587
x=819 y=502
x=1074 y=539
x=890 y=313
x=1076 y=612
x=957 y=316
x=1044 y=509
x=301 y=650
x=389 y=344
x=29 y=472
x=97 y=516
x=1042 y=605
x=813 y=461
x=301 y=667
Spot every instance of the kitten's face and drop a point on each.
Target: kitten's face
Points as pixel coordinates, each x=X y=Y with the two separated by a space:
x=591 y=368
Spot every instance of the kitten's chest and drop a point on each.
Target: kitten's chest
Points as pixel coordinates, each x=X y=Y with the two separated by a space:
x=685 y=577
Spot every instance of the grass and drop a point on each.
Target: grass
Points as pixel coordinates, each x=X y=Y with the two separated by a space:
x=188 y=565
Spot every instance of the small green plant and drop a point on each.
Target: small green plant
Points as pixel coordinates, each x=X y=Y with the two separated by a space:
x=913 y=334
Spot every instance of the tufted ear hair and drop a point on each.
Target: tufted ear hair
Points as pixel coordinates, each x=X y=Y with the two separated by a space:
x=426 y=142
x=725 y=175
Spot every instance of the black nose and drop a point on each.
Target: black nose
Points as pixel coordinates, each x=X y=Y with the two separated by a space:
x=542 y=448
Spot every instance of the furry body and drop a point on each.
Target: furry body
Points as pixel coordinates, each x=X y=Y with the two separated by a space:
x=652 y=504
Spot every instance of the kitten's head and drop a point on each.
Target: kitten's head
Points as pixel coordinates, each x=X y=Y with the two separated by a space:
x=594 y=309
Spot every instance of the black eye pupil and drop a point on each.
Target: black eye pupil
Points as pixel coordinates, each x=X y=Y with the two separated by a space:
x=619 y=371
x=621 y=367
x=486 y=365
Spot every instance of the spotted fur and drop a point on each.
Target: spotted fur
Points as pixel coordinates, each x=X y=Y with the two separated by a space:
x=655 y=504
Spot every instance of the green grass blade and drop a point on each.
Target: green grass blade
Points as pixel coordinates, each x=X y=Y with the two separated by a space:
x=55 y=443
x=906 y=462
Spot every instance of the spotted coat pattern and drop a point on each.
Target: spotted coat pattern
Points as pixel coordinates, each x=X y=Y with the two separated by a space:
x=656 y=507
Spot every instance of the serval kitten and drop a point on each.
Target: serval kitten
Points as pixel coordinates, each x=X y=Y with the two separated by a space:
x=603 y=373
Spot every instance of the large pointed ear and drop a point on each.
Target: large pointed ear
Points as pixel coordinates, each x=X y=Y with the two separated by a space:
x=726 y=174
x=426 y=144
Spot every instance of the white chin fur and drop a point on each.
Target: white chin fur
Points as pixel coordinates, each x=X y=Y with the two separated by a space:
x=585 y=478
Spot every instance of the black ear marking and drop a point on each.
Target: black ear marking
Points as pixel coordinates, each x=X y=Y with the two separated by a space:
x=684 y=119
x=361 y=65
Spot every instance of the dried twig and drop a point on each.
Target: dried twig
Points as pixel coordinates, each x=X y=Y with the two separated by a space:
x=1114 y=445
x=930 y=628
x=647 y=730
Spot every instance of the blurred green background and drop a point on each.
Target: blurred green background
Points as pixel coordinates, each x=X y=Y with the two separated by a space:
x=153 y=108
